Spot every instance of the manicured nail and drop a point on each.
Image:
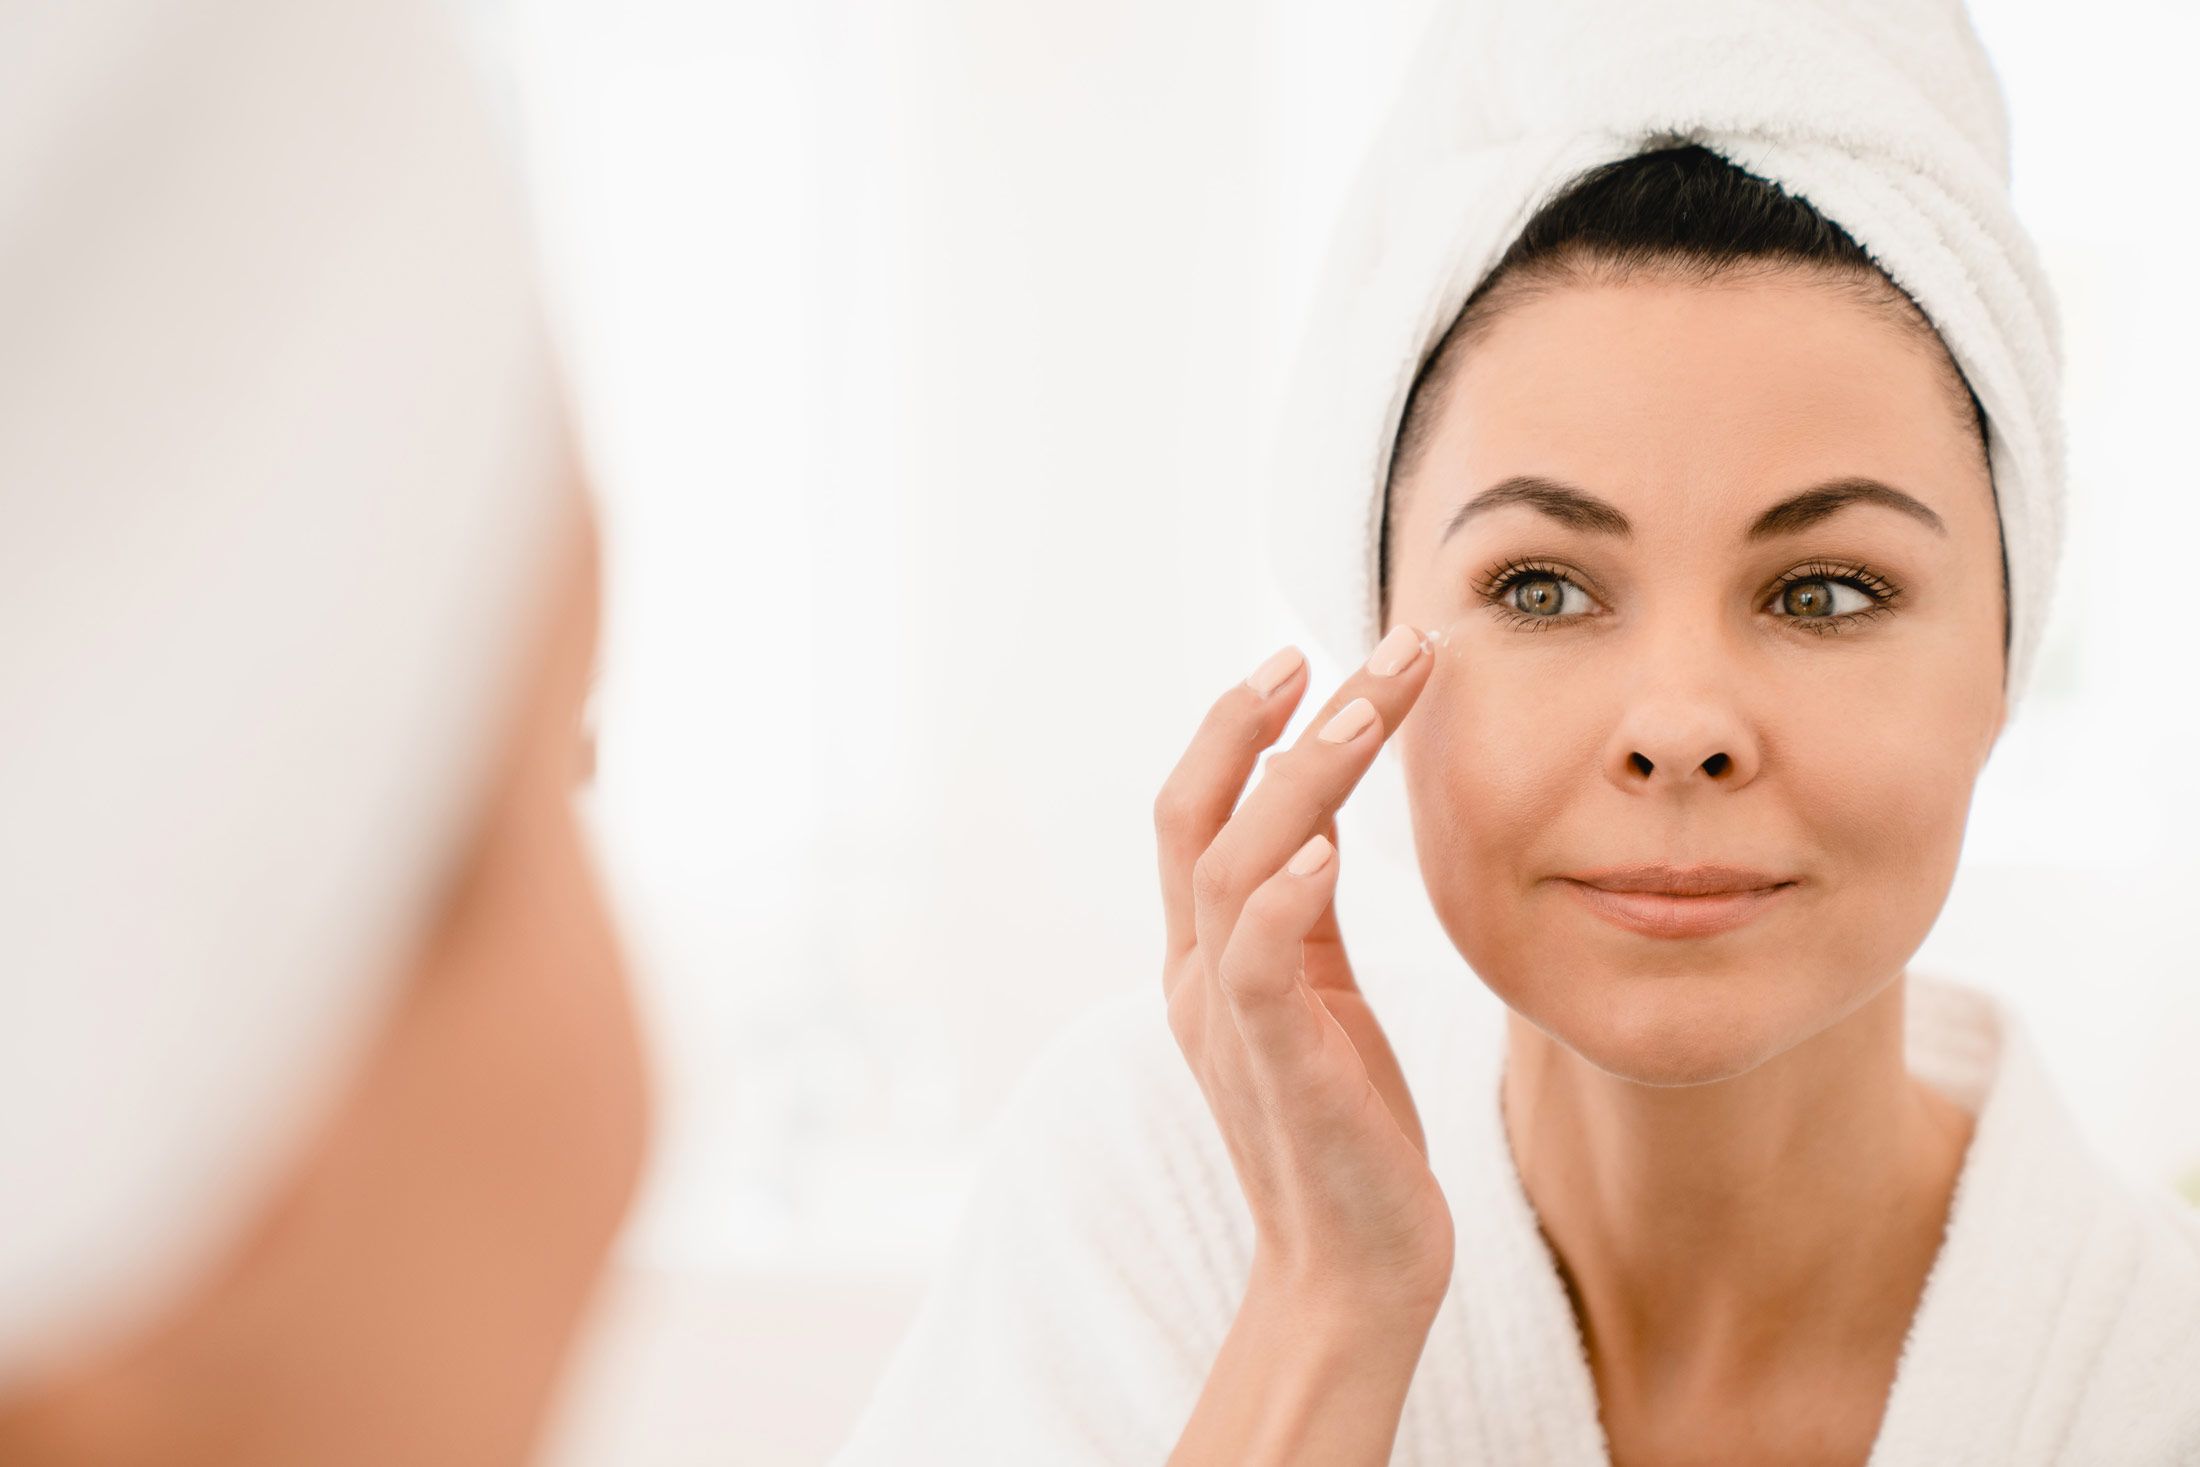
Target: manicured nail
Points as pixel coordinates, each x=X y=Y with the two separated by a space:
x=1270 y=675
x=1349 y=720
x=1311 y=857
x=1395 y=653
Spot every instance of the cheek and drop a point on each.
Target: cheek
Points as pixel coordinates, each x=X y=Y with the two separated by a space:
x=1879 y=762
x=1496 y=757
x=1860 y=773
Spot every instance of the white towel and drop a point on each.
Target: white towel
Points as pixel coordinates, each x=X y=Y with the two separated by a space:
x=1884 y=114
x=281 y=458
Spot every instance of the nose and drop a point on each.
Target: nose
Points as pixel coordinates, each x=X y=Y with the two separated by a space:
x=1681 y=739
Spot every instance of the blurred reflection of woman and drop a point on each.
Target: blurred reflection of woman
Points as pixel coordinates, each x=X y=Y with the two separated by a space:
x=1711 y=563
x=320 y=1095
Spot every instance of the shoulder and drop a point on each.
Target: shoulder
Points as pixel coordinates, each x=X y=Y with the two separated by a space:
x=1109 y=1133
x=1118 y=1046
x=1099 y=1260
x=1109 y=1082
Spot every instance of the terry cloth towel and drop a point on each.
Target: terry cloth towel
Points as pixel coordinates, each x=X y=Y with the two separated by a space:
x=1884 y=114
x=1106 y=1246
x=281 y=465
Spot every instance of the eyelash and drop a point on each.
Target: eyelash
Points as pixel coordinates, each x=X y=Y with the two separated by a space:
x=1862 y=577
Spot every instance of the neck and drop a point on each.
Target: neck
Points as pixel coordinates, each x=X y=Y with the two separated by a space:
x=1714 y=1233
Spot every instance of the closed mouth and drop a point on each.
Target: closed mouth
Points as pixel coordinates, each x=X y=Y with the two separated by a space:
x=1679 y=914
x=1690 y=881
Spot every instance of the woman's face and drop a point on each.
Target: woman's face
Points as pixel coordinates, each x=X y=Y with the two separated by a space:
x=1656 y=696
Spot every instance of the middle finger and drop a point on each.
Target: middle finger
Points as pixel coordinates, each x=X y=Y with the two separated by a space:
x=1302 y=786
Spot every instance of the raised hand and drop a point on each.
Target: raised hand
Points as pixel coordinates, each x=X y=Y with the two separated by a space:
x=1353 y=1240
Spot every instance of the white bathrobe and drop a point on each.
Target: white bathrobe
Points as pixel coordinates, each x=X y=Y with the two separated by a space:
x=1107 y=1244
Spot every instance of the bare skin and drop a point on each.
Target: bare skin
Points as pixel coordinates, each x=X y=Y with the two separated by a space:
x=1353 y=1245
x=1743 y=1186
x=410 y=1294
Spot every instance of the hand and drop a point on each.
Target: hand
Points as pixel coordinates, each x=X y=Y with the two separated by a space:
x=1327 y=1146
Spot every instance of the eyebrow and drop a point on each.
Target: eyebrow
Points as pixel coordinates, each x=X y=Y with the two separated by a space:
x=1584 y=511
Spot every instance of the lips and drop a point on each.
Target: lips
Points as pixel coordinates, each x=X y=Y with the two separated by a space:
x=1677 y=901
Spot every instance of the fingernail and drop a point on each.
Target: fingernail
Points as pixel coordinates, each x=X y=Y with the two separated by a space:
x=1395 y=653
x=1269 y=675
x=1311 y=857
x=1349 y=720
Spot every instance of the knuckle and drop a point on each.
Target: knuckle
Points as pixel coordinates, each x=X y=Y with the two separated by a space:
x=1179 y=1012
x=1234 y=715
x=1184 y=1008
x=1172 y=809
x=1224 y=726
x=1244 y=978
x=1212 y=878
x=1269 y=919
x=1230 y=975
x=1296 y=782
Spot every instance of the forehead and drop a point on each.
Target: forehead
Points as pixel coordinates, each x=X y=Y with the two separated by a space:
x=1719 y=394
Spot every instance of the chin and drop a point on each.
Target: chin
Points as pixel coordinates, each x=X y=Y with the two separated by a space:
x=1665 y=1028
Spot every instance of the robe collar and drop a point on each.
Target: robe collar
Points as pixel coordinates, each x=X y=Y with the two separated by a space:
x=1991 y=1323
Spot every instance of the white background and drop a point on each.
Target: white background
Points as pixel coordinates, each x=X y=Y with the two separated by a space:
x=925 y=354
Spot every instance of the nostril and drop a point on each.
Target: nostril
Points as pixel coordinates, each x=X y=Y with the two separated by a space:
x=1641 y=764
x=1715 y=765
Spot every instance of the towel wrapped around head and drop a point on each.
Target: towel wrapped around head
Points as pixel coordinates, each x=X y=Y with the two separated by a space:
x=282 y=473
x=1884 y=115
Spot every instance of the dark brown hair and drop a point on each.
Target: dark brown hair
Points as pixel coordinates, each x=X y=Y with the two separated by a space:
x=1679 y=212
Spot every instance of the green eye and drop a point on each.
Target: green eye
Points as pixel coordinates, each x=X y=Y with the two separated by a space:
x=1542 y=596
x=1829 y=598
x=1535 y=595
x=1818 y=598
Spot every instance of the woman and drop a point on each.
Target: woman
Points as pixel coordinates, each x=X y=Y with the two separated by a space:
x=321 y=1095
x=1708 y=582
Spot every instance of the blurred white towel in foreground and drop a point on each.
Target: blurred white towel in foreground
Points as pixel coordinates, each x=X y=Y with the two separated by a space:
x=1107 y=1245
x=280 y=474
x=1883 y=114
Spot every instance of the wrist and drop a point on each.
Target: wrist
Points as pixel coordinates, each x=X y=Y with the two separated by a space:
x=1351 y=1300
x=1372 y=1313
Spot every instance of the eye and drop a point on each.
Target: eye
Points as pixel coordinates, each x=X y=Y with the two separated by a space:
x=1533 y=595
x=1830 y=598
x=1818 y=598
